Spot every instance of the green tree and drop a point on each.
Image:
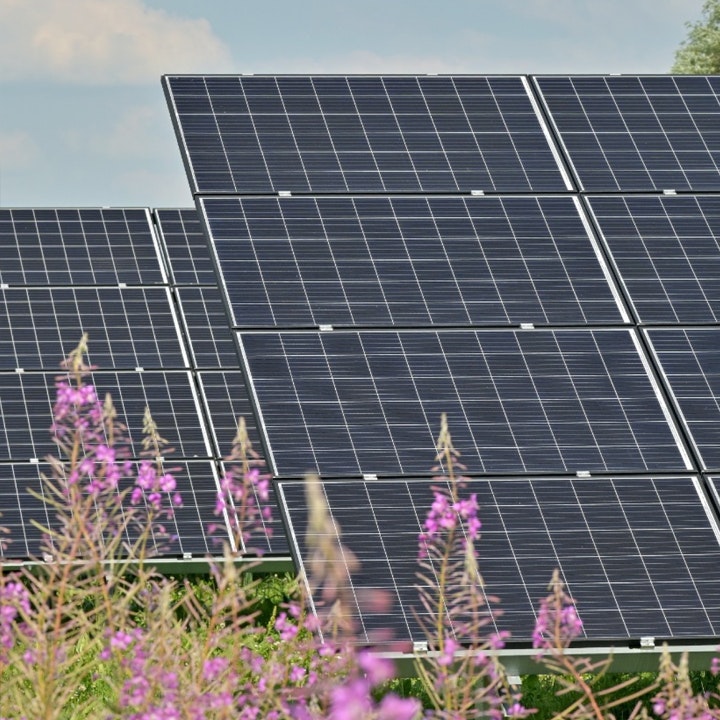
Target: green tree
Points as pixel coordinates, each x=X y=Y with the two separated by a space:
x=699 y=53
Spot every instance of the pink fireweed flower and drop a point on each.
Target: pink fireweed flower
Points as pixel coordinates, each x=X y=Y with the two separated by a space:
x=450 y=647
x=14 y=601
x=350 y=700
x=558 y=622
x=214 y=667
x=393 y=707
x=377 y=670
x=152 y=487
x=445 y=515
x=286 y=629
x=244 y=494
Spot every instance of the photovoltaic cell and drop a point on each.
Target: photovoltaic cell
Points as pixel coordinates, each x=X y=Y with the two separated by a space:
x=348 y=403
x=690 y=361
x=638 y=132
x=409 y=261
x=667 y=251
x=262 y=134
x=639 y=555
x=27 y=399
x=187 y=530
x=211 y=340
x=127 y=327
x=78 y=247
x=185 y=246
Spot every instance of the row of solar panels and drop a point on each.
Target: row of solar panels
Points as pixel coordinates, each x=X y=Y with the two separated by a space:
x=248 y=134
x=144 y=289
x=567 y=324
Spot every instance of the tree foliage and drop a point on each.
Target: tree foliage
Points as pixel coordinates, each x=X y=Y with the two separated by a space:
x=699 y=53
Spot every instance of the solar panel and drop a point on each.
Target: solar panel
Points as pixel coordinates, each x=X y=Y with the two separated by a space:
x=185 y=247
x=211 y=340
x=226 y=398
x=409 y=261
x=347 y=403
x=638 y=133
x=128 y=327
x=18 y=507
x=690 y=363
x=640 y=556
x=26 y=401
x=78 y=247
x=187 y=531
x=262 y=134
x=667 y=252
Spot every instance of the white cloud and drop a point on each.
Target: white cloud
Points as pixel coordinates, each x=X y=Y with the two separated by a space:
x=617 y=14
x=103 y=42
x=366 y=61
x=17 y=150
x=147 y=186
x=140 y=131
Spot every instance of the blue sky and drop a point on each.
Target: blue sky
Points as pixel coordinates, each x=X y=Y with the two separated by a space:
x=83 y=121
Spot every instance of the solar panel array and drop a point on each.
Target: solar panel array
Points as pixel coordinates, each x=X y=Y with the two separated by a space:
x=102 y=272
x=535 y=257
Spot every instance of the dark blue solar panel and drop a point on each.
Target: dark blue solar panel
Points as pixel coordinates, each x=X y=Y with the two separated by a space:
x=399 y=261
x=26 y=401
x=211 y=340
x=344 y=403
x=691 y=364
x=261 y=134
x=640 y=556
x=638 y=133
x=78 y=247
x=667 y=251
x=187 y=531
x=181 y=233
x=227 y=399
x=127 y=328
